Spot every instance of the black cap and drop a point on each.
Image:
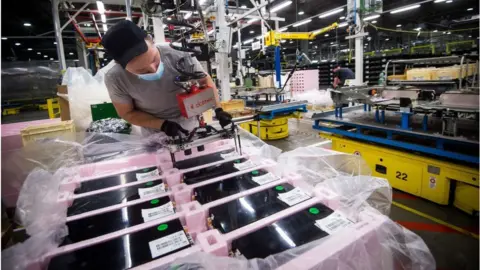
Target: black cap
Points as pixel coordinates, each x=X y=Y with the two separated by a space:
x=125 y=41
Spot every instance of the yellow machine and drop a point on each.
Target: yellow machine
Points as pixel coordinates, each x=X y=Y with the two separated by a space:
x=435 y=180
x=269 y=129
x=273 y=38
x=53 y=108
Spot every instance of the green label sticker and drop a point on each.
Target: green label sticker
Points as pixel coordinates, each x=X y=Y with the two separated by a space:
x=279 y=188
x=314 y=210
x=155 y=201
x=146 y=170
x=255 y=172
x=162 y=227
x=237 y=161
x=149 y=183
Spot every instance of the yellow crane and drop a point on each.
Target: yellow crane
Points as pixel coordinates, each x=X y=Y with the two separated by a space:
x=273 y=38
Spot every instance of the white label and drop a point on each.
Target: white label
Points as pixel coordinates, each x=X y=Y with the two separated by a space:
x=445 y=77
x=433 y=182
x=157 y=212
x=229 y=155
x=293 y=196
x=143 y=176
x=333 y=223
x=144 y=192
x=168 y=244
x=266 y=178
x=244 y=165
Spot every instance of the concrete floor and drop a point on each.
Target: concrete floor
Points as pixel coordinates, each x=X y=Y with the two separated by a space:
x=451 y=249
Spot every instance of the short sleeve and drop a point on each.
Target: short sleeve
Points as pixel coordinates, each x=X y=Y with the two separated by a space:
x=117 y=92
x=198 y=66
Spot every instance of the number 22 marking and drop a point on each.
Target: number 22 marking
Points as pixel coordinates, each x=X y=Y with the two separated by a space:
x=401 y=176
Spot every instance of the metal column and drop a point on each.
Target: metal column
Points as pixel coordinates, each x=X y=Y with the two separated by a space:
x=358 y=47
x=128 y=9
x=239 y=51
x=58 y=35
x=223 y=41
x=158 y=32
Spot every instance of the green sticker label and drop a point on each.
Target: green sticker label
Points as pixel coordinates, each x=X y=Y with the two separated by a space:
x=155 y=201
x=314 y=210
x=237 y=161
x=279 y=188
x=149 y=183
x=162 y=227
x=255 y=172
x=146 y=170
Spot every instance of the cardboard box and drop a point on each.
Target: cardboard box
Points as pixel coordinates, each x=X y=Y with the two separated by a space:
x=419 y=74
x=63 y=102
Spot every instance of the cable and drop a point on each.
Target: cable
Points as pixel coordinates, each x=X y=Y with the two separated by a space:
x=416 y=32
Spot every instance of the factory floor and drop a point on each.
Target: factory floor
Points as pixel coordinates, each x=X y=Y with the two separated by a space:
x=432 y=222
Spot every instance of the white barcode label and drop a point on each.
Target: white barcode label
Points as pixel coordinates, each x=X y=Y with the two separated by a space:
x=244 y=165
x=229 y=155
x=144 y=192
x=333 y=223
x=264 y=179
x=144 y=176
x=168 y=243
x=158 y=212
x=293 y=196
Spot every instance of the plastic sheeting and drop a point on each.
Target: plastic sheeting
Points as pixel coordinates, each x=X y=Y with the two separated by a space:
x=389 y=246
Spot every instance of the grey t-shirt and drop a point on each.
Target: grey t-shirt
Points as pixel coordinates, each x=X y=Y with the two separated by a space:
x=157 y=98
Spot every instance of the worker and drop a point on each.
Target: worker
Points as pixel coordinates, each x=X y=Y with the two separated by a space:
x=141 y=82
x=341 y=75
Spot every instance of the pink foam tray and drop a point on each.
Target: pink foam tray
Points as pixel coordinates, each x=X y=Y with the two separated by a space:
x=161 y=159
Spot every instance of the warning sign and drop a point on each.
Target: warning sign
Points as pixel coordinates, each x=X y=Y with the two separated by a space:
x=433 y=182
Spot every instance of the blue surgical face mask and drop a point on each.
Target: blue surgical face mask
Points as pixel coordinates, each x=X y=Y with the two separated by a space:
x=153 y=76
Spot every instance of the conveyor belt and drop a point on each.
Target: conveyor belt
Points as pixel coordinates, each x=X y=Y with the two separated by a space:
x=126 y=194
x=236 y=214
x=124 y=252
x=111 y=181
x=289 y=232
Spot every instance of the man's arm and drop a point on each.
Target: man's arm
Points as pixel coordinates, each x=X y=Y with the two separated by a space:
x=138 y=118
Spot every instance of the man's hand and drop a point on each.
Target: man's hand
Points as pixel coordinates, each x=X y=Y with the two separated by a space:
x=223 y=117
x=172 y=129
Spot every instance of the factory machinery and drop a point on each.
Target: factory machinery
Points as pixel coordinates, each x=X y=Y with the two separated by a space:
x=424 y=142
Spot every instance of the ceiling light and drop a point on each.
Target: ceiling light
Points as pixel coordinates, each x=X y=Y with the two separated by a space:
x=449 y=33
x=104 y=18
x=311 y=42
x=314 y=61
x=248 y=41
x=399 y=25
x=280 y=6
x=291 y=41
x=100 y=7
x=374 y=22
x=51 y=59
x=251 y=32
x=439 y=1
x=323 y=61
x=371 y=17
x=301 y=13
x=4 y=38
x=469 y=9
x=435 y=31
x=243 y=6
x=17 y=44
x=418 y=29
x=449 y=1
x=105 y=28
x=252 y=20
x=45 y=56
x=329 y=13
x=27 y=24
x=387 y=39
x=327 y=35
x=71 y=53
x=283 y=29
x=283 y=41
x=302 y=23
x=39 y=53
x=444 y=32
x=331 y=43
x=404 y=9
x=29 y=49
x=342 y=18
x=469 y=36
x=54 y=43
x=188 y=15
x=87 y=25
x=342 y=25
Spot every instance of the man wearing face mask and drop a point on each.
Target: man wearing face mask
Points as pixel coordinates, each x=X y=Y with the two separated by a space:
x=141 y=85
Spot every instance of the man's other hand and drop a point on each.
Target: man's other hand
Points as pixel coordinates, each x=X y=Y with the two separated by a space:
x=223 y=117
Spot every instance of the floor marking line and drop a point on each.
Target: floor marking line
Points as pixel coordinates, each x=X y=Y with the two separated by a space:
x=458 y=229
